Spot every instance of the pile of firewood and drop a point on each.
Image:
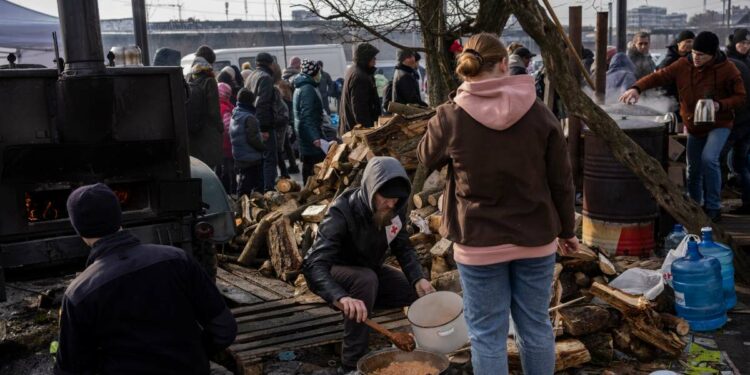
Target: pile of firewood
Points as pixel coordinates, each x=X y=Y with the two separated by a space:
x=278 y=228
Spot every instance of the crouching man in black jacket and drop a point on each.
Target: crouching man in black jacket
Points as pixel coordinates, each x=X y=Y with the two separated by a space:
x=136 y=309
x=345 y=263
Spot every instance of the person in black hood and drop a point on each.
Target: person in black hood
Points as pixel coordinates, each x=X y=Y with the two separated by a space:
x=166 y=57
x=404 y=87
x=345 y=264
x=739 y=139
x=681 y=47
x=136 y=308
x=360 y=104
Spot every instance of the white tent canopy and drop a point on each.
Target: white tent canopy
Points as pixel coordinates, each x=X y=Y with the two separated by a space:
x=23 y=28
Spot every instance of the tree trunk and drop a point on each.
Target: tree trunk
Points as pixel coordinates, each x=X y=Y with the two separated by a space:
x=433 y=27
x=538 y=25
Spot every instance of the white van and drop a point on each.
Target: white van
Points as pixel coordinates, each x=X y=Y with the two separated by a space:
x=332 y=56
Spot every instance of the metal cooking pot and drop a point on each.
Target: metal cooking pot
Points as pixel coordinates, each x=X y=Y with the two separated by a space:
x=382 y=358
x=127 y=56
x=705 y=113
x=630 y=116
x=437 y=321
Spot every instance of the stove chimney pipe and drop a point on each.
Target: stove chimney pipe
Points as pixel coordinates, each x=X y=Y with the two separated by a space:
x=79 y=22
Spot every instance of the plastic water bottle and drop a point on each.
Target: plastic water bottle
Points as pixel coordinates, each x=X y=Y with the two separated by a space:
x=697 y=290
x=725 y=256
x=672 y=240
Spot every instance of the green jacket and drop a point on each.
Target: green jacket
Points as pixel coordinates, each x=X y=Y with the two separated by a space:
x=308 y=114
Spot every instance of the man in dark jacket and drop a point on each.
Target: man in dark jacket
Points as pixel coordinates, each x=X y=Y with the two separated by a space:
x=136 y=308
x=405 y=82
x=205 y=126
x=682 y=46
x=640 y=56
x=260 y=83
x=360 y=104
x=345 y=264
x=519 y=61
x=739 y=138
x=325 y=87
x=247 y=144
x=308 y=117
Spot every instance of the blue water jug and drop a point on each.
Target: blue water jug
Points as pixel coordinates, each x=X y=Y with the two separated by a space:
x=697 y=290
x=672 y=240
x=725 y=256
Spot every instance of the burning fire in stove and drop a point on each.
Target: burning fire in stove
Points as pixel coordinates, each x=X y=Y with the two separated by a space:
x=40 y=210
x=47 y=205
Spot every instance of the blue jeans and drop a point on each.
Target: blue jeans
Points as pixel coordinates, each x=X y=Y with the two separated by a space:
x=270 y=163
x=703 y=169
x=523 y=289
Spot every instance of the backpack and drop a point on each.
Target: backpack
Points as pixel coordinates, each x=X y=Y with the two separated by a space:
x=196 y=106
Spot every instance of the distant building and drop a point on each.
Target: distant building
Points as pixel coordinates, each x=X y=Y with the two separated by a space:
x=304 y=15
x=650 y=18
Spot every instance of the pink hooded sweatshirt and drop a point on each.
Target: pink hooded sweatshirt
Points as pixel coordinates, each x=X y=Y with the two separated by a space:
x=498 y=104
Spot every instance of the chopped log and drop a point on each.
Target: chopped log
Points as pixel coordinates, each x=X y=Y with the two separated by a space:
x=406 y=110
x=582 y=279
x=250 y=252
x=584 y=320
x=599 y=279
x=569 y=288
x=421 y=199
x=624 y=340
x=315 y=213
x=435 y=180
x=435 y=221
x=600 y=347
x=584 y=253
x=436 y=199
x=425 y=212
x=426 y=240
x=267 y=269
x=308 y=238
x=442 y=258
x=287 y=185
x=606 y=266
x=569 y=353
x=257 y=213
x=339 y=156
x=296 y=215
x=581 y=265
x=668 y=342
x=449 y=281
x=674 y=323
x=628 y=304
x=282 y=248
x=343 y=168
x=359 y=154
x=399 y=139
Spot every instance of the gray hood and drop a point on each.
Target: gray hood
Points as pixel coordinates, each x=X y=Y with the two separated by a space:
x=380 y=170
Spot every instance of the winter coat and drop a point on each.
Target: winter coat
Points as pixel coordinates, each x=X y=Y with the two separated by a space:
x=644 y=64
x=205 y=139
x=137 y=307
x=244 y=131
x=620 y=75
x=509 y=178
x=325 y=87
x=308 y=114
x=516 y=65
x=719 y=79
x=260 y=82
x=289 y=74
x=407 y=88
x=360 y=104
x=672 y=56
x=742 y=63
x=348 y=236
x=226 y=108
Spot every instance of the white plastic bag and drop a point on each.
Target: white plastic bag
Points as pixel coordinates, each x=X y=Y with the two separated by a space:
x=674 y=254
x=640 y=281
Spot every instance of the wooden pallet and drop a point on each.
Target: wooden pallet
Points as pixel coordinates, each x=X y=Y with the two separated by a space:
x=267 y=328
x=243 y=286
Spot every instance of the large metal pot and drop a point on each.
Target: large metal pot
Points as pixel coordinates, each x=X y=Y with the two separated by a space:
x=437 y=321
x=382 y=358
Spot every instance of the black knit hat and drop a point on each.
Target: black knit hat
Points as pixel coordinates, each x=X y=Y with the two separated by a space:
x=740 y=35
x=706 y=42
x=207 y=53
x=524 y=52
x=404 y=54
x=684 y=35
x=395 y=188
x=264 y=58
x=94 y=211
x=365 y=52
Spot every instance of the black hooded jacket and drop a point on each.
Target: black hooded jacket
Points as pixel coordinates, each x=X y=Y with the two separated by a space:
x=360 y=103
x=407 y=87
x=742 y=62
x=348 y=236
x=672 y=56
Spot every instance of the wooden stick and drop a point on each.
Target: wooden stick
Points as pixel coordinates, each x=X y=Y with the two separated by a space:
x=560 y=306
x=569 y=44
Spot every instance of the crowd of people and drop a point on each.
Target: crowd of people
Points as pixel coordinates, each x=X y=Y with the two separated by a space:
x=252 y=124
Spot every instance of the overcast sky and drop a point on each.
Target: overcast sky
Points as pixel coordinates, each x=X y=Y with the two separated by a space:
x=164 y=10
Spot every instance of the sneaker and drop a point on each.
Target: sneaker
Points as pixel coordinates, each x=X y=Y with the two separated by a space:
x=714 y=215
x=742 y=210
x=346 y=370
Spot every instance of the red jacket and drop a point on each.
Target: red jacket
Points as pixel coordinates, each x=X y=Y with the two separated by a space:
x=226 y=109
x=719 y=80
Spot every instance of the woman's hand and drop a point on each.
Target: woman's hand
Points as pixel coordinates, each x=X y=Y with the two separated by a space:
x=568 y=245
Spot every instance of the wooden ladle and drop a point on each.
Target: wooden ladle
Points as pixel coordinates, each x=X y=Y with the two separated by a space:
x=403 y=341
